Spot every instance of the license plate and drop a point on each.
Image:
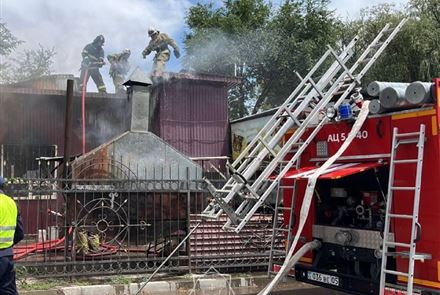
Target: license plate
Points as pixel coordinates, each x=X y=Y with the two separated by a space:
x=323 y=278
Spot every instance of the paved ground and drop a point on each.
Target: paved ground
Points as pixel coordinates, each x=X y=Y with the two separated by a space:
x=314 y=291
x=197 y=285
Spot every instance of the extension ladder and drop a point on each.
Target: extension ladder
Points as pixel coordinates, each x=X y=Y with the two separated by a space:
x=246 y=187
x=400 y=139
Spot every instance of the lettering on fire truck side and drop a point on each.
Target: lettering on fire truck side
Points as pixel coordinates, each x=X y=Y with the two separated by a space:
x=340 y=137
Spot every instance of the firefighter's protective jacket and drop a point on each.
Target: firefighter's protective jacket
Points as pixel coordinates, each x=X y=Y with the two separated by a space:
x=118 y=64
x=159 y=43
x=93 y=55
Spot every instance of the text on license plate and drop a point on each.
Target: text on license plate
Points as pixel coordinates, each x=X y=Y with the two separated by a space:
x=323 y=278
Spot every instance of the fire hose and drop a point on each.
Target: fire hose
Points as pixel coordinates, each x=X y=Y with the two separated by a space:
x=305 y=208
x=22 y=251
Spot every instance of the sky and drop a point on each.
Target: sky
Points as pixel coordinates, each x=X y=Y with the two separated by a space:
x=68 y=26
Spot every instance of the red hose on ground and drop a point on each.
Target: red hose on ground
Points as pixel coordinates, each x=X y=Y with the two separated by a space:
x=84 y=88
x=22 y=251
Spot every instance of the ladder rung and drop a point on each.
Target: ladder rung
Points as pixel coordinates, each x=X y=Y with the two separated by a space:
x=404 y=216
x=405 y=161
x=339 y=92
x=403 y=188
x=208 y=216
x=285 y=208
x=377 y=45
x=409 y=134
x=280 y=252
x=417 y=256
x=345 y=85
x=408 y=141
x=364 y=61
x=397 y=273
x=398 y=244
x=223 y=191
x=266 y=145
x=250 y=197
x=228 y=227
x=282 y=229
x=389 y=30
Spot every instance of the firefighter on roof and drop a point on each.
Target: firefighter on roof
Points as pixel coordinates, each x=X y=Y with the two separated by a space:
x=119 y=67
x=11 y=232
x=159 y=42
x=93 y=59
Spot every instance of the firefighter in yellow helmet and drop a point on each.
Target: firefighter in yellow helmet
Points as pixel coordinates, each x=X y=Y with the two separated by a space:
x=159 y=42
x=11 y=232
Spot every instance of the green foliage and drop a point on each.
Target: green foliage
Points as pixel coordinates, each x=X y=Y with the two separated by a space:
x=414 y=53
x=264 y=45
x=259 y=43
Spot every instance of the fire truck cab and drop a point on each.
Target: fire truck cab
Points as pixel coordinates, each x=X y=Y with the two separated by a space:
x=348 y=209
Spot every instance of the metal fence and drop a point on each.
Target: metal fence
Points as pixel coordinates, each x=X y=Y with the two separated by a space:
x=18 y=160
x=79 y=227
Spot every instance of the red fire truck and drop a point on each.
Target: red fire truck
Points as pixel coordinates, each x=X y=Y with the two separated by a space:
x=348 y=212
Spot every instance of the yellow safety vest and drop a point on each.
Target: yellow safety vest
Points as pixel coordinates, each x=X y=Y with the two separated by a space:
x=8 y=221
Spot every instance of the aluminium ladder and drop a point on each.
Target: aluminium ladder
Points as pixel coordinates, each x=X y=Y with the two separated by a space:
x=399 y=139
x=284 y=229
x=310 y=97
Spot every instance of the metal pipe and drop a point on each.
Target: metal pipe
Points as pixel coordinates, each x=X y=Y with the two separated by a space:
x=376 y=87
x=419 y=93
x=68 y=125
x=393 y=97
x=67 y=140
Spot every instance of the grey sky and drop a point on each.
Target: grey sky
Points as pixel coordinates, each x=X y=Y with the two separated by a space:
x=69 y=25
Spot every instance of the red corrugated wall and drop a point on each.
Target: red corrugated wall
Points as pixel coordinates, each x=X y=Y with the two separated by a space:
x=193 y=117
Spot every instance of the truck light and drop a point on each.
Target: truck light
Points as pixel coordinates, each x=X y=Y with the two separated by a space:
x=330 y=112
x=345 y=111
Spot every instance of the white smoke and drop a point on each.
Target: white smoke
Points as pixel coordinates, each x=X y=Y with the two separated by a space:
x=69 y=25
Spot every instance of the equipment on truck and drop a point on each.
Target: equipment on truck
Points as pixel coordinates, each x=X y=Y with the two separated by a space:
x=302 y=109
x=315 y=102
x=375 y=209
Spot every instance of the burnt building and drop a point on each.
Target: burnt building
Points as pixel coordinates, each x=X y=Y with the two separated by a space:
x=188 y=111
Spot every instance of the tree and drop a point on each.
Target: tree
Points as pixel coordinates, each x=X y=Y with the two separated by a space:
x=414 y=53
x=29 y=64
x=8 y=42
x=261 y=44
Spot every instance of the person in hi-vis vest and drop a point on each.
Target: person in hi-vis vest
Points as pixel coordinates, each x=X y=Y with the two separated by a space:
x=11 y=232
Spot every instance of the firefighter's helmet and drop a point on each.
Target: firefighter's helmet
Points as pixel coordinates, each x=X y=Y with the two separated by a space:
x=126 y=51
x=152 y=31
x=99 y=40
